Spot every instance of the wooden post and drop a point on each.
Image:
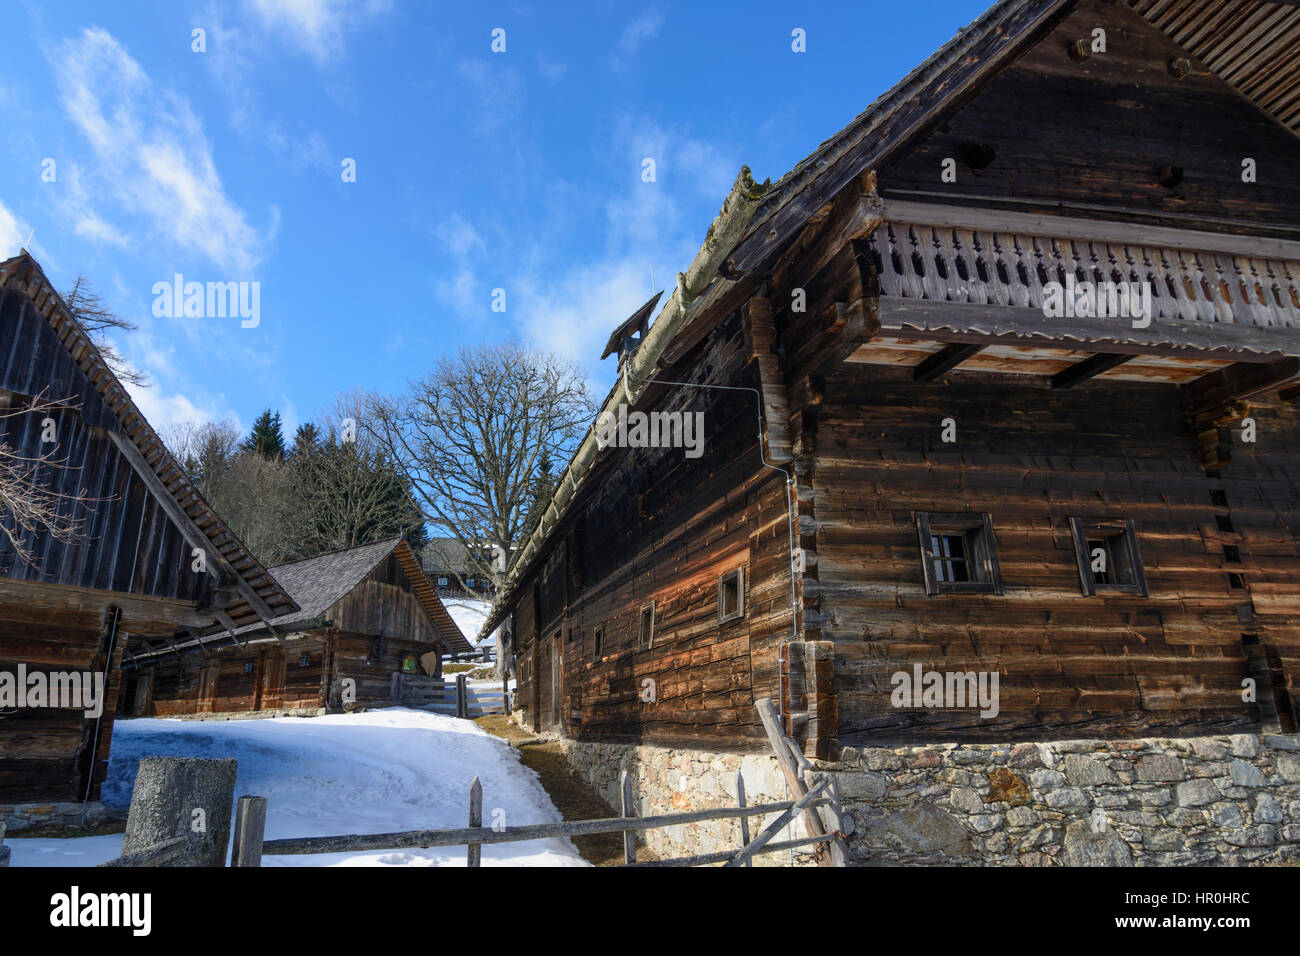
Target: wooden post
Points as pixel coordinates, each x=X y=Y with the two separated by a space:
x=629 y=810
x=778 y=824
x=5 y=851
x=182 y=797
x=505 y=694
x=475 y=856
x=250 y=829
x=835 y=824
x=793 y=781
x=461 y=701
x=744 y=821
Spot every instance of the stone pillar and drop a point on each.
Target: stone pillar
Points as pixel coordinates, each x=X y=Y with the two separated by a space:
x=182 y=797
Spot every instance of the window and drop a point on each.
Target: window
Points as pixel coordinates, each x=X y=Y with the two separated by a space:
x=442 y=582
x=598 y=641
x=304 y=660
x=958 y=553
x=646 y=636
x=731 y=596
x=248 y=667
x=1107 y=552
x=469 y=582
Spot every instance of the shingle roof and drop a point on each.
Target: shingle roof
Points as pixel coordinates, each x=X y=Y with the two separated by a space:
x=319 y=583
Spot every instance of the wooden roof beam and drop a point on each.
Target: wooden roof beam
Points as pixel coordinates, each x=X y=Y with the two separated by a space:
x=1090 y=367
x=1238 y=381
x=943 y=361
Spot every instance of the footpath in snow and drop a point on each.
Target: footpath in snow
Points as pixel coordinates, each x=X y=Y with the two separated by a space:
x=376 y=772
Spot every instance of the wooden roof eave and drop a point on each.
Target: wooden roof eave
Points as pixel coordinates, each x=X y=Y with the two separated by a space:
x=978 y=324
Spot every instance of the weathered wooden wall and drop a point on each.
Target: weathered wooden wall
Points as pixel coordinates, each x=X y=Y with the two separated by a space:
x=658 y=526
x=129 y=544
x=383 y=604
x=194 y=684
x=45 y=753
x=1069 y=665
x=1094 y=134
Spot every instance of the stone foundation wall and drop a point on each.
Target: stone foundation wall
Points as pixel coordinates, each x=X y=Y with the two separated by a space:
x=1204 y=801
x=22 y=816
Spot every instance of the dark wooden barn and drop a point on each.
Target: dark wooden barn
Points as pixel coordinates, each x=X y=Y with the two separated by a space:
x=123 y=571
x=364 y=615
x=913 y=455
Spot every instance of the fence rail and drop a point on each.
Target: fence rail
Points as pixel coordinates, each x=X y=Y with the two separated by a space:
x=456 y=698
x=813 y=792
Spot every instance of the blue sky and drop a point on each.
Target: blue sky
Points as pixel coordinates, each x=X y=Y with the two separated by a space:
x=475 y=170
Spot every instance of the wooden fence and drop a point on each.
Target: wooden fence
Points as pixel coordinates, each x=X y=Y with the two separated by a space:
x=816 y=800
x=458 y=698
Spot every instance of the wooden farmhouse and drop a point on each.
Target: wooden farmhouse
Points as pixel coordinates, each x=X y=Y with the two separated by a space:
x=121 y=572
x=366 y=616
x=912 y=455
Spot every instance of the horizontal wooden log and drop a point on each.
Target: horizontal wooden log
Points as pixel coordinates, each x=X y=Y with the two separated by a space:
x=534 y=831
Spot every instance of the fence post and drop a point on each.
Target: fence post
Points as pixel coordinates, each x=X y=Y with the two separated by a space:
x=744 y=821
x=250 y=829
x=462 y=708
x=505 y=693
x=475 y=820
x=182 y=797
x=629 y=810
x=4 y=850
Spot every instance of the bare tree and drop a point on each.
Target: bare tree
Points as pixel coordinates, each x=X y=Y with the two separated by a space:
x=475 y=438
x=29 y=503
x=95 y=318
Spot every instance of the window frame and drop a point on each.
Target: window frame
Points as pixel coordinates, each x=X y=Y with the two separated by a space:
x=984 y=561
x=738 y=575
x=642 y=643
x=597 y=642
x=1082 y=528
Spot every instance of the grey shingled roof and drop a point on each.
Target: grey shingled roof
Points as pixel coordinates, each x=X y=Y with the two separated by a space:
x=318 y=583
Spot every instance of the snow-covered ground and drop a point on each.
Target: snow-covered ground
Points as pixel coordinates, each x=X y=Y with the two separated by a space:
x=376 y=772
x=469 y=616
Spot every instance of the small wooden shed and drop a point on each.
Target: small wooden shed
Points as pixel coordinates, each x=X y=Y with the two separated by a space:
x=366 y=614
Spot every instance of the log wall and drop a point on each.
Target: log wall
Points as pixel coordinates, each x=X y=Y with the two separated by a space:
x=1070 y=665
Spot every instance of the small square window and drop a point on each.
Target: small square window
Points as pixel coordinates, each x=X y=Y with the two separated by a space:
x=1108 y=556
x=442 y=582
x=598 y=641
x=304 y=660
x=248 y=667
x=646 y=634
x=958 y=553
x=731 y=596
x=469 y=582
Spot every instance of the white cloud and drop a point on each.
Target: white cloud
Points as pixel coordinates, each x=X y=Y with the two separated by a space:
x=552 y=71
x=644 y=27
x=649 y=226
x=153 y=156
x=315 y=26
x=164 y=410
x=13 y=233
x=460 y=291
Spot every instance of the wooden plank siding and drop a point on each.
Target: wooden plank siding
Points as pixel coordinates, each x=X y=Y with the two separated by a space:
x=1032 y=457
x=660 y=527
